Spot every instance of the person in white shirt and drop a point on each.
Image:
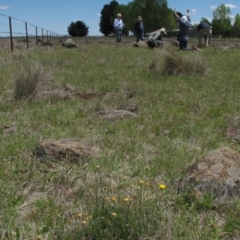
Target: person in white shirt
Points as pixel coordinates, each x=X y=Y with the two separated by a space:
x=118 y=25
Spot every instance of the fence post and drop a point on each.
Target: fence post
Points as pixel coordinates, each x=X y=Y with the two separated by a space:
x=36 y=36
x=11 y=39
x=26 y=34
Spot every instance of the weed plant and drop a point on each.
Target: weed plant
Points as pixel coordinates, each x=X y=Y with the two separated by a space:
x=128 y=191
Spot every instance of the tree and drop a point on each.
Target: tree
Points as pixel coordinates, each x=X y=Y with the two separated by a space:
x=106 y=24
x=236 y=25
x=222 y=12
x=155 y=14
x=205 y=20
x=77 y=29
x=222 y=20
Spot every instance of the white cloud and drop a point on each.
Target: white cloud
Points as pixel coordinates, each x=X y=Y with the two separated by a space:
x=194 y=11
x=230 y=5
x=213 y=7
x=4 y=7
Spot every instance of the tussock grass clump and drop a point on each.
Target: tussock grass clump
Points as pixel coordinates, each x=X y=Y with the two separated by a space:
x=187 y=64
x=29 y=79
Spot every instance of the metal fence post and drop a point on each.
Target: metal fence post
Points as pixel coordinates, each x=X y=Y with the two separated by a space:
x=36 y=36
x=11 y=39
x=26 y=34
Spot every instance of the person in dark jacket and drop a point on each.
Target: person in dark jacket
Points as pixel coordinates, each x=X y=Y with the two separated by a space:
x=139 y=29
x=204 y=31
x=184 y=23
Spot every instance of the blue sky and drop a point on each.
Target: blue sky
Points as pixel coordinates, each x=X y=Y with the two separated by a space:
x=56 y=15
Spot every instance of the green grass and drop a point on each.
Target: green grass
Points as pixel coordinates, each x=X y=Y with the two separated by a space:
x=180 y=117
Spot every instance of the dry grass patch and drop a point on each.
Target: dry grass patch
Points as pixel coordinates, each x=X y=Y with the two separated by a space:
x=188 y=64
x=114 y=115
x=29 y=79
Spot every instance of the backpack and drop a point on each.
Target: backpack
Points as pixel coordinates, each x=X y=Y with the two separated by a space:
x=152 y=39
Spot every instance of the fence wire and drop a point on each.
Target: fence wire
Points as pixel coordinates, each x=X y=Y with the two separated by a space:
x=11 y=28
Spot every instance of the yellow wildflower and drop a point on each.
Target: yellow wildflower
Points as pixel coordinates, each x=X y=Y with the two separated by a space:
x=113 y=199
x=162 y=186
x=84 y=222
x=114 y=214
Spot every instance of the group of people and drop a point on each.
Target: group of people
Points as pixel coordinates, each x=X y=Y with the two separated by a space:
x=155 y=39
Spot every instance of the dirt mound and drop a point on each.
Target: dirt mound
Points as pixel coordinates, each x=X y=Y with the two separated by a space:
x=228 y=47
x=73 y=150
x=140 y=44
x=114 y=115
x=217 y=173
x=7 y=129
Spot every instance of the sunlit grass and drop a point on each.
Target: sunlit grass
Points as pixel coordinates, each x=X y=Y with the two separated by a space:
x=128 y=191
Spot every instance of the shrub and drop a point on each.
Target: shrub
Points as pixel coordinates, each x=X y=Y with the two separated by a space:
x=179 y=64
x=29 y=80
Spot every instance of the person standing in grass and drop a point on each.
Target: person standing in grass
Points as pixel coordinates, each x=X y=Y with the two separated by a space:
x=204 y=31
x=118 y=26
x=184 y=23
x=139 y=29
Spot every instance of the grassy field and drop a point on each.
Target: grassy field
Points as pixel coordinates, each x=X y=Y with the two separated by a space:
x=128 y=189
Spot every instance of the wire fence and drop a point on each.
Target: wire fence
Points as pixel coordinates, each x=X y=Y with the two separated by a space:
x=11 y=28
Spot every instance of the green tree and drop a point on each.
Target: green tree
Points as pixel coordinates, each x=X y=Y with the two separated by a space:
x=77 y=29
x=222 y=12
x=106 y=24
x=236 y=25
x=205 y=20
x=222 y=20
x=155 y=14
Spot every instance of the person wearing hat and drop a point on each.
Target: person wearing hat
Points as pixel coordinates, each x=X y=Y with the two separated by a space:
x=155 y=38
x=184 y=23
x=204 y=31
x=139 y=29
x=118 y=25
